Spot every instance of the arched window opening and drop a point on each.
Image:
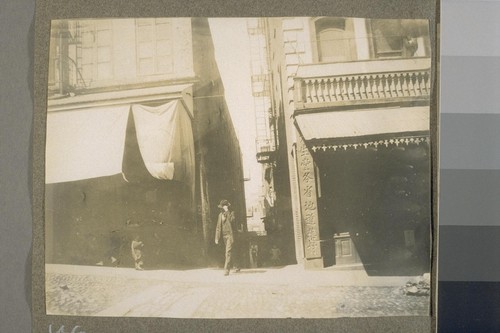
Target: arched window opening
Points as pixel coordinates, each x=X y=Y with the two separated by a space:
x=335 y=40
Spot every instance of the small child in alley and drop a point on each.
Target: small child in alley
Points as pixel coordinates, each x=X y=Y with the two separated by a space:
x=136 y=248
x=254 y=255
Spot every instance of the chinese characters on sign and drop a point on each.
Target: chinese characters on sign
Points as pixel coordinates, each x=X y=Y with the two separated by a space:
x=308 y=201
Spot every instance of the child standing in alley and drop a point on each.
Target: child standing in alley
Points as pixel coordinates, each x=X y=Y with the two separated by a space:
x=136 y=248
x=254 y=255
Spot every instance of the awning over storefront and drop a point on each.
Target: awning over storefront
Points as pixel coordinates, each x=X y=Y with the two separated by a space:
x=345 y=124
x=90 y=143
x=165 y=139
x=85 y=143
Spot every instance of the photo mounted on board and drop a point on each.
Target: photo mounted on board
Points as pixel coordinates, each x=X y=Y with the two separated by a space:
x=239 y=167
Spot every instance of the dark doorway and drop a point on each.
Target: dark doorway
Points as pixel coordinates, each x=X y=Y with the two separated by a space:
x=375 y=204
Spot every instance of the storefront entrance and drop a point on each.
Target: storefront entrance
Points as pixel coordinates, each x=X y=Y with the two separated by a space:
x=374 y=206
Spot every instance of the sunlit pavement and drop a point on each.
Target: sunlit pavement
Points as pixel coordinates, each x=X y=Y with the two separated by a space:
x=288 y=291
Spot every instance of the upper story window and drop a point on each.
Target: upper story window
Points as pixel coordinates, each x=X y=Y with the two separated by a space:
x=81 y=53
x=154 y=46
x=87 y=54
x=335 y=39
x=94 y=54
x=399 y=38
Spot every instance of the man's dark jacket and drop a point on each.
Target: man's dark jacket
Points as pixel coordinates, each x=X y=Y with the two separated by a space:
x=226 y=228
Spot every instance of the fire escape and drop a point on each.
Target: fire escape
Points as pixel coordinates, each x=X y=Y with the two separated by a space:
x=265 y=115
x=266 y=136
x=65 y=70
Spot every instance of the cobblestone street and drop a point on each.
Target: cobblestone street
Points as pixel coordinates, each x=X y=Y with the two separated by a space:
x=205 y=293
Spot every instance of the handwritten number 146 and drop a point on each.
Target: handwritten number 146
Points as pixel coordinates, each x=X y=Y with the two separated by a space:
x=76 y=329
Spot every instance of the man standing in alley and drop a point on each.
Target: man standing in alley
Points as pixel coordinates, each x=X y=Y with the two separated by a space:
x=228 y=230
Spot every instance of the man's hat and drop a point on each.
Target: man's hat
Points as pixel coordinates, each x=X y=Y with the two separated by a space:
x=224 y=203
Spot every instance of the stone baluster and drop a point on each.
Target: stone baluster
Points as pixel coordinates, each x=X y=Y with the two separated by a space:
x=399 y=86
x=406 y=87
x=343 y=85
x=411 y=84
x=313 y=92
x=380 y=87
x=314 y=95
x=328 y=84
x=338 y=89
x=362 y=91
x=324 y=91
x=348 y=89
x=374 y=80
x=341 y=88
x=388 y=82
x=418 y=84
x=386 y=86
x=356 y=88
x=395 y=85
x=331 y=90
x=415 y=84
x=307 y=92
x=428 y=82
x=369 y=87
x=317 y=91
x=303 y=91
x=345 y=80
x=352 y=88
x=425 y=90
x=394 y=80
x=423 y=84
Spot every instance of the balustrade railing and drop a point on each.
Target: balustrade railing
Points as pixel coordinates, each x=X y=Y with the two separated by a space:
x=363 y=87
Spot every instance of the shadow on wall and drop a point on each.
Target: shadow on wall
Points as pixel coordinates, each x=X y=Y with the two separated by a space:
x=95 y=220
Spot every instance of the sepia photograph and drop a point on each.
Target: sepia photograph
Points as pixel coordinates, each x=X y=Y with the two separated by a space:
x=261 y=167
